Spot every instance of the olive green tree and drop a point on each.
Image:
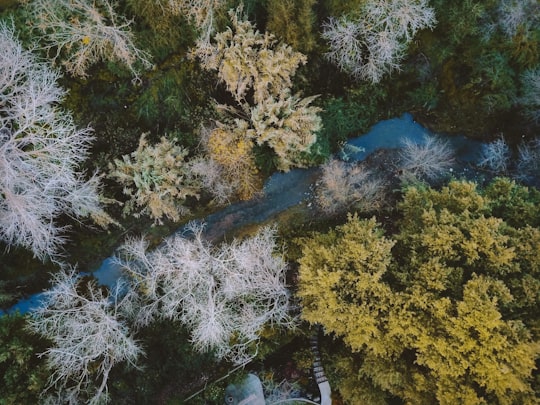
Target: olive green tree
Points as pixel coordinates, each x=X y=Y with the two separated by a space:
x=293 y=21
x=23 y=374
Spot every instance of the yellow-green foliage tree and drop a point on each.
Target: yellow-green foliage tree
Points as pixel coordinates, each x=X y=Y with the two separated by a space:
x=258 y=72
x=444 y=312
x=292 y=21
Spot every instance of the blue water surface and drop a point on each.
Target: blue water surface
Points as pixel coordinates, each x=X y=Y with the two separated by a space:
x=284 y=190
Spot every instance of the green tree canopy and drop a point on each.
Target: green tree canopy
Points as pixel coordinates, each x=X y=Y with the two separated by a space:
x=444 y=312
x=23 y=374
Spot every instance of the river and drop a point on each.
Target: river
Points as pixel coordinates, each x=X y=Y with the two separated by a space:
x=284 y=190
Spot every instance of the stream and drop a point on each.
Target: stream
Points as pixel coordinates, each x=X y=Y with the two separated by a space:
x=284 y=190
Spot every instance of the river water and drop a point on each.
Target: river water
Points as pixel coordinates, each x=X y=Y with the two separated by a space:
x=284 y=190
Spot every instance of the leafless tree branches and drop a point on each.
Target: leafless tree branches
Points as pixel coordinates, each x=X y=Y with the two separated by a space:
x=40 y=153
x=496 y=156
x=88 y=338
x=345 y=186
x=224 y=294
x=428 y=160
x=79 y=33
x=373 y=44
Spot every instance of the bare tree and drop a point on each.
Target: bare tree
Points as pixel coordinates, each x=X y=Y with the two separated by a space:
x=428 y=160
x=214 y=179
x=200 y=12
x=224 y=294
x=88 y=337
x=403 y=18
x=79 y=33
x=346 y=43
x=530 y=84
x=495 y=156
x=40 y=153
x=343 y=186
x=528 y=161
x=373 y=44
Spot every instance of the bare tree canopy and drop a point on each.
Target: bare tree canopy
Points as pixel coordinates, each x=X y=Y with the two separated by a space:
x=40 y=154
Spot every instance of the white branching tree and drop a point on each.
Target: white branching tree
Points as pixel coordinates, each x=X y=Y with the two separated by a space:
x=79 y=33
x=427 y=160
x=499 y=158
x=345 y=42
x=495 y=156
x=200 y=12
x=88 y=338
x=344 y=186
x=40 y=153
x=528 y=162
x=530 y=100
x=224 y=294
x=373 y=43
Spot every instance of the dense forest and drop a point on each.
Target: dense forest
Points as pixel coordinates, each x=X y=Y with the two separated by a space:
x=418 y=274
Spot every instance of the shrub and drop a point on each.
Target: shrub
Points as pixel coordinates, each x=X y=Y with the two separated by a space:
x=158 y=179
x=247 y=60
x=22 y=374
x=232 y=154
